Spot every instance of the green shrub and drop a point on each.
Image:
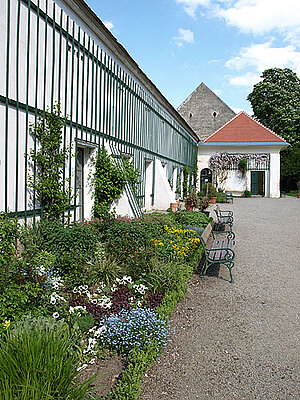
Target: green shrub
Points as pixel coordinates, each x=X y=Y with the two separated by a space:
x=9 y=233
x=208 y=190
x=18 y=298
x=194 y=218
x=49 y=159
x=108 y=183
x=37 y=361
x=247 y=193
x=72 y=246
x=166 y=276
x=221 y=197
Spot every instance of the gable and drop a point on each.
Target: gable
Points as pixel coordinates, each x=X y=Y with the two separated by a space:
x=243 y=128
x=204 y=111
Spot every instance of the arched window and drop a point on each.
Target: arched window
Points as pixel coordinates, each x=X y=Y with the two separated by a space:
x=205 y=177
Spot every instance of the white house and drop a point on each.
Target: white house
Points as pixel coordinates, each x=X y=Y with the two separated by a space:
x=242 y=137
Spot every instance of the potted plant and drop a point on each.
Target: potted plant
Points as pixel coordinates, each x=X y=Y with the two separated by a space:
x=203 y=204
x=174 y=206
x=209 y=191
x=191 y=201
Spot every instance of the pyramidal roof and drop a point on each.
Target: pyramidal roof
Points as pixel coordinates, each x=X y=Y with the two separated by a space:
x=243 y=128
x=204 y=111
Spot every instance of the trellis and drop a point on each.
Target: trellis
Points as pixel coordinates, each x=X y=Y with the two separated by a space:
x=46 y=57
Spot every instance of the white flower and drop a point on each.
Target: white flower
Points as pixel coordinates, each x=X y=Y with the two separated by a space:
x=92 y=361
x=55 y=315
x=93 y=301
x=100 y=330
x=113 y=288
x=92 y=329
x=101 y=287
x=75 y=290
x=83 y=366
x=52 y=299
x=127 y=279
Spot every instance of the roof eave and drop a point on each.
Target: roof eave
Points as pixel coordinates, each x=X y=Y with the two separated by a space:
x=282 y=144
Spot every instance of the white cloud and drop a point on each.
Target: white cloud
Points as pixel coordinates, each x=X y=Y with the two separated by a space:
x=190 y=6
x=263 y=56
x=108 y=24
x=264 y=16
x=248 y=79
x=184 y=36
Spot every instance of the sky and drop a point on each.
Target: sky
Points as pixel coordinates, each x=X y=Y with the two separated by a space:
x=226 y=44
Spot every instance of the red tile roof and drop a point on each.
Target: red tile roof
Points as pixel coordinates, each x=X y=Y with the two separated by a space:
x=243 y=128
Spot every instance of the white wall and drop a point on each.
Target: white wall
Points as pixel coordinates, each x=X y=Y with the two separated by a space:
x=274 y=175
x=234 y=182
x=163 y=194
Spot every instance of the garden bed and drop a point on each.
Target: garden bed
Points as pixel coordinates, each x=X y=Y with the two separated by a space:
x=112 y=282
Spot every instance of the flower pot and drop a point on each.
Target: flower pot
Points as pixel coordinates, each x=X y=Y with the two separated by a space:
x=298 y=195
x=189 y=208
x=174 y=206
x=213 y=200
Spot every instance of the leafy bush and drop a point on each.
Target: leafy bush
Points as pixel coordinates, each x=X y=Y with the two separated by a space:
x=37 y=361
x=130 y=245
x=247 y=193
x=176 y=243
x=49 y=160
x=194 y=218
x=73 y=246
x=208 y=190
x=134 y=329
x=221 y=197
x=9 y=233
x=108 y=183
x=165 y=276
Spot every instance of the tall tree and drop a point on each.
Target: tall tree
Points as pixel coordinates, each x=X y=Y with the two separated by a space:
x=276 y=104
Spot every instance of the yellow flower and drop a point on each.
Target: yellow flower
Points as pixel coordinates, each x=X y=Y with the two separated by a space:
x=6 y=324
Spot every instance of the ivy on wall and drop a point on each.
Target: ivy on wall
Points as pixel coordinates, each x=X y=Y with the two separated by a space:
x=221 y=163
x=185 y=184
x=108 y=181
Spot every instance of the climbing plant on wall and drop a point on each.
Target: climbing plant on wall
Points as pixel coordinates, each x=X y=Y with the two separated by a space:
x=178 y=184
x=221 y=163
x=48 y=163
x=195 y=168
x=185 y=184
x=108 y=182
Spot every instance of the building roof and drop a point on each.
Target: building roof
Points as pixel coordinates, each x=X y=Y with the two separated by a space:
x=204 y=111
x=243 y=128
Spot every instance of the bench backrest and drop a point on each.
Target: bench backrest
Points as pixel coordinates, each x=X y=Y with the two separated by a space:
x=205 y=235
x=217 y=211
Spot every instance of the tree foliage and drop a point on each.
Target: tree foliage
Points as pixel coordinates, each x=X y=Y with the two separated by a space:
x=276 y=104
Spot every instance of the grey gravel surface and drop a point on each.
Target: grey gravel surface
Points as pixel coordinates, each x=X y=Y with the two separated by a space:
x=240 y=341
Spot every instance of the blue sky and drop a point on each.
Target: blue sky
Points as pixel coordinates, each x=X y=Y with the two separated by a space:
x=224 y=43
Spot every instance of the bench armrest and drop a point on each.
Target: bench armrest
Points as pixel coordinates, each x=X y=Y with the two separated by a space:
x=230 y=213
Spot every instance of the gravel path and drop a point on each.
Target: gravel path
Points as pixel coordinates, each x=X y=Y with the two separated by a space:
x=240 y=341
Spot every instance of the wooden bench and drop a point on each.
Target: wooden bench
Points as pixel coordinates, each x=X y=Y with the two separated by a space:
x=229 y=197
x=224 y=218
x=221 y=250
